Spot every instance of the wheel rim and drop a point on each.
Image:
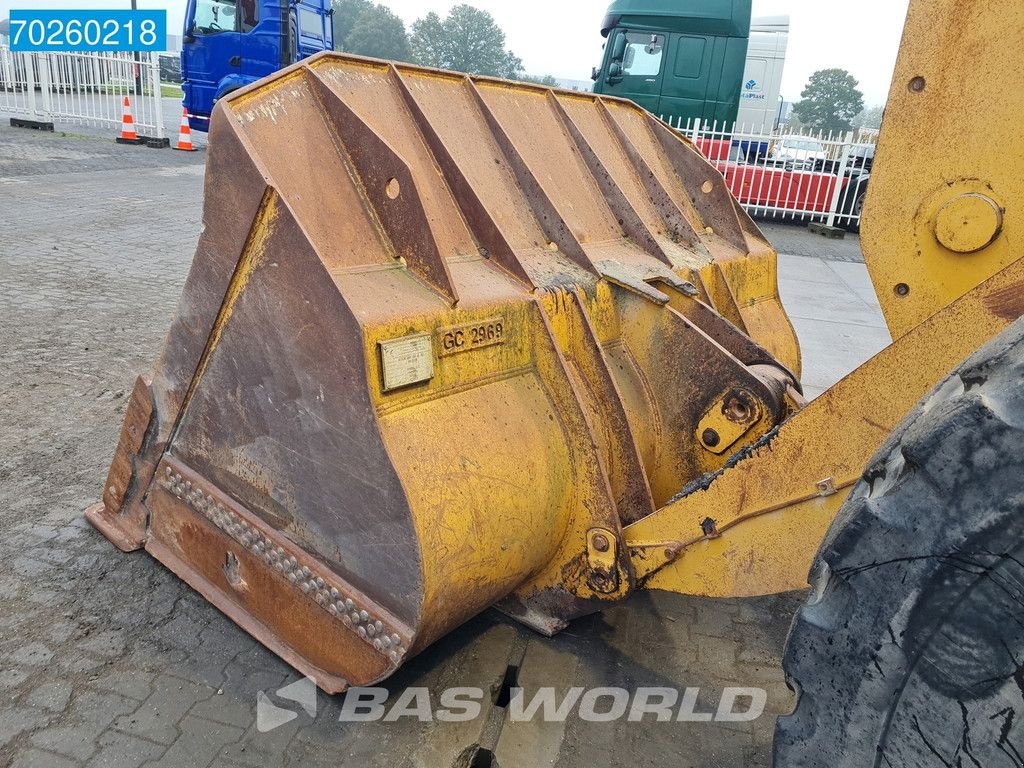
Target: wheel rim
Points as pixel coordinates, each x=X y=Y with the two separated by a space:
x=858 y=207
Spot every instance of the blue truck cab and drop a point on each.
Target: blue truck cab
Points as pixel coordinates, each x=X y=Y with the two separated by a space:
x=228 y=44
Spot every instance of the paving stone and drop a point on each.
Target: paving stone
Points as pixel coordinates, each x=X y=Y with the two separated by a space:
x=118 y=750
x=16 y=720
x=100 y=708
x=761 y=673
x=74 y=741
x=29 y=568
x=52 y=696
x=243 y=682
x=51 y=554
x=78 y=663
x=9 y=588
x=35 y=758
x=135 y=684
x=157 y=717
x=87 y=717
x=712 y=622
x=180 y=632
x=41 y=533
x=255 y=749
x=757 y=655
x=107 y=643
x=12 y=678
x=60 y=631
x=43 y=597
x=204 y=667
x=717 y=654
x=31 y=654
x=199 y=744
x=228 y=711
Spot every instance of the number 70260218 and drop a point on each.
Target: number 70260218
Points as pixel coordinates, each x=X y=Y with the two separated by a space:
x=88 y=30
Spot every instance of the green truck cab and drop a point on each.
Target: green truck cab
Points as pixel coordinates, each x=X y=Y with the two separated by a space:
x=680 y=59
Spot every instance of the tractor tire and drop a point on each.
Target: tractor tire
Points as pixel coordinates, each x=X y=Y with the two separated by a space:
x=910 y=649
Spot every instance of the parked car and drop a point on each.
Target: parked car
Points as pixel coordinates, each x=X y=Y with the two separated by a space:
x=851 y=201
x=863 y=157
x=798 y=152
x=170 y=69
x=858 y=172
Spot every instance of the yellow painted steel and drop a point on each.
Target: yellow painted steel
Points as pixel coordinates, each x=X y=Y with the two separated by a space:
x=772 y=509
x=440 y=362
x=943 y=209
x=493 y=343
x=496 y=344
x=745 y=290
x=942 y=242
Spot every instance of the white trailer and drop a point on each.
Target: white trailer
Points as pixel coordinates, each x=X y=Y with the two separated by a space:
x=762 y=79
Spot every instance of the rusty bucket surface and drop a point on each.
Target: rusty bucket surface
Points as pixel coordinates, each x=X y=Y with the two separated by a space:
x=442 y=338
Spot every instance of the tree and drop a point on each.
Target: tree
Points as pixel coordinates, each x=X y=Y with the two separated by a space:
x=346 y=13
x=548 y=80
x=466 y=40
x=830 y=101
x=870 y=118
x=511 y=66
x=429 y=44
x=379 y=32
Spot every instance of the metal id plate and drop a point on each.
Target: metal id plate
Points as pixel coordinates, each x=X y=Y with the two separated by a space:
x=406 y=360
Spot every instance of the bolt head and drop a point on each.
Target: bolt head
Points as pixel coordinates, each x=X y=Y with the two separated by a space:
x=968 y=223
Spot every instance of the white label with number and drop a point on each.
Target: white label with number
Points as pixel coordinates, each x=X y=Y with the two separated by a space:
x=406 y=360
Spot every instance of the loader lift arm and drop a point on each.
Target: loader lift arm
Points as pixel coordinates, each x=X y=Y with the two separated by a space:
x=942 y=242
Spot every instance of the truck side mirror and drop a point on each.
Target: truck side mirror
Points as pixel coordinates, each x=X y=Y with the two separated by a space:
x=594 y=73
x=619 y=47
x=614 y=72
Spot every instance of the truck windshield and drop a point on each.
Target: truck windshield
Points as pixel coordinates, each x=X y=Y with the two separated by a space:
x=213 y=16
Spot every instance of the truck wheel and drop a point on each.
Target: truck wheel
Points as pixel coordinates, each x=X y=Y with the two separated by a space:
x=853 y=225
x=910 y=649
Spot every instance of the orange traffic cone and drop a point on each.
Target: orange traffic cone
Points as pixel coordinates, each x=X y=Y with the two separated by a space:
x=185 y=134
x=128 y=135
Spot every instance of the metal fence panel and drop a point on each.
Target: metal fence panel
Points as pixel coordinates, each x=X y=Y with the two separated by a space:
x=795 y=175
x=84 y=88
x=17 y=84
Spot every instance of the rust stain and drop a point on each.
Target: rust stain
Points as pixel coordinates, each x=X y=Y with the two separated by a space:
x=1006 y=303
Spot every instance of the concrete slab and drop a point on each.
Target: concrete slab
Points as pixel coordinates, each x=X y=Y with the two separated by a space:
x=812 y=269
x=836 y=316
x=792 y=237
x=857 y=277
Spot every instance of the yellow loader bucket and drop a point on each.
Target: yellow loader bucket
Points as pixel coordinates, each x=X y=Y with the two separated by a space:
x=443 y=337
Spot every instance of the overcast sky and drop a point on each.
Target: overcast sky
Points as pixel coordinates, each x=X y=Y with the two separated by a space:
x=562 y=37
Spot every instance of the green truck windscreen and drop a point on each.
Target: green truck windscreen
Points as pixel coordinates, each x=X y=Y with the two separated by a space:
x=680 y=59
